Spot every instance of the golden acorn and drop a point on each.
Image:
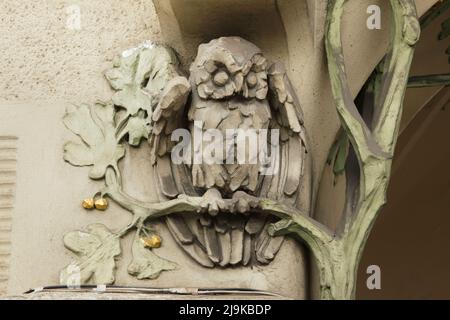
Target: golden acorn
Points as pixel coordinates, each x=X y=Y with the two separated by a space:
x=101 y=204
x=88 y=203
x=154 y=241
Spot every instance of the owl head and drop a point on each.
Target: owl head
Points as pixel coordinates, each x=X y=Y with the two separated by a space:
x=229 y=66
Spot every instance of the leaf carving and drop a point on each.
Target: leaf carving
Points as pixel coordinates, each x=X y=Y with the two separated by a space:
x=99 y=147
x=139 y=75
x=339 y=153
x=138 y=128
x=145 y=263
x=96 y=249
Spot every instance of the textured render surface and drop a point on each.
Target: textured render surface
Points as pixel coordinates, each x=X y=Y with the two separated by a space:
x=46 y=67
x=43 y=58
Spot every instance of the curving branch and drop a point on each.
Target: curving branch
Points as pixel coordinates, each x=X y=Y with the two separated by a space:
x=404 y=36
x=432 y=80
x=337 y=256
x=189 y=204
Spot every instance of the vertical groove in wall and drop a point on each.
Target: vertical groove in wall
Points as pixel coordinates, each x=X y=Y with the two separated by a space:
x=8 y=160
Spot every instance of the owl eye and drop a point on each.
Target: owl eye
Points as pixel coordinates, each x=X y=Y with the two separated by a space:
x=221 y=78
x=251 y=80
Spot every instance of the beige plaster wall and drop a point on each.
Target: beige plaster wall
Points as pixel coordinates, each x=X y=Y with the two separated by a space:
x=43 y=59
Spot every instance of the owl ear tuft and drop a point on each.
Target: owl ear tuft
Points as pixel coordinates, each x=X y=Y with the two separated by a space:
x=200 y=76
x=259 y=63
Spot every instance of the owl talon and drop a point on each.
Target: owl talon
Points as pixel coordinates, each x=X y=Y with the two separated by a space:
x=242 y=206
x=212 y=202
x=245 y=202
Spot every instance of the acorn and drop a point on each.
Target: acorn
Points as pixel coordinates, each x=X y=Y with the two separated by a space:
x=154 y=241
x=88 y=204
x=101 y=204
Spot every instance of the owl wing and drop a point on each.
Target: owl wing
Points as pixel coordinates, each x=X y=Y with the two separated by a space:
x=174 y=179
x=168 y=116
x=289 y=181
x=288 y=184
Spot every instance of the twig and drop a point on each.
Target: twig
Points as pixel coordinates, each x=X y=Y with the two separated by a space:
x=432 y=80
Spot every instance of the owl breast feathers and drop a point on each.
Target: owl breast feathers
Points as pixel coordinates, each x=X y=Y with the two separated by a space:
x=244 y=118
x=229 y=84
x=232 y=87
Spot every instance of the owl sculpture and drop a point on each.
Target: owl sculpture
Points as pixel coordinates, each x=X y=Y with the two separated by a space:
x=231 y=86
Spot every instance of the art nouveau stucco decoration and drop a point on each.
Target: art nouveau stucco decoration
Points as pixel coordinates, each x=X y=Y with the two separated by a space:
x=218 y=213
x=101 y=134
x=231 y=87
x=48 y=69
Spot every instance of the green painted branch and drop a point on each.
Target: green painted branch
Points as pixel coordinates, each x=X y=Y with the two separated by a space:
x=305 y=227
x=317 y=237
x=336 y=265
x=355 y=238
x=432 y=80
x=323 y=247
x=188 y=204
x=405 y=34
x=340 y=261
x=352 y=121
x=145 y=210
x=365 y=146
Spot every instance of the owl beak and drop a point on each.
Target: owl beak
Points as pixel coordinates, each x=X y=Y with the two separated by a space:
x=238 y=81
